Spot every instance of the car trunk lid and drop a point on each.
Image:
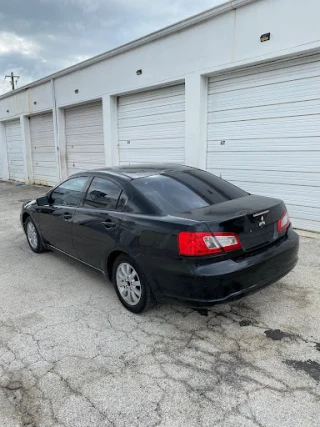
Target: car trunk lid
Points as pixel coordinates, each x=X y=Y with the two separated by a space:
x=253 y=218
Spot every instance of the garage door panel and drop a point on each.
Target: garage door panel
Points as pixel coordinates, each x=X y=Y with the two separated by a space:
x=275 y=128
x=144 y=144
x=12 y=133
x=74 y=126
x=304 y=212
x=43 y=133
x=49 y=169
x=15 y=158
x=267 y=176
x=92 y=108
x=155 y=155
x=151 y=132
x=43 y=143
x=153 y=119
x=16 y=176
x=83 y=165
x=151 y=108
x=293 y=194
x=251 y=161
x=15 y=169
x=44 y=160
x=304 y=218
x=44 y=156
x=14 y=141
x=265 y=145
x=40 y=127
x=45 y=175
x=272 y=111
x=88 y=158
x=86 y=149
x=84 y=137
x=296 y=91
x=154 y=94
x=268 y=75
x=93 y=133
x=305 y=224
x=14 y=150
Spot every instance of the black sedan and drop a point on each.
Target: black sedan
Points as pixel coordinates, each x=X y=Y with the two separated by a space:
x=165 y=233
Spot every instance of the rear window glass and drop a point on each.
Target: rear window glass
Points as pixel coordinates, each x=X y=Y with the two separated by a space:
x=185 y=191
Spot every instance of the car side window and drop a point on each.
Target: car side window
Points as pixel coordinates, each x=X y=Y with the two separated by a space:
x=70 y=192
x=102 y=194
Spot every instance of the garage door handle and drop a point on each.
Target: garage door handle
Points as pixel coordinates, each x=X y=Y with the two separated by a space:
x=109 y=224
x=67 y=216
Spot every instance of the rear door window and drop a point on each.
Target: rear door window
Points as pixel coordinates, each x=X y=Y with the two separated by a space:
x=185 y=191
x=102 y=194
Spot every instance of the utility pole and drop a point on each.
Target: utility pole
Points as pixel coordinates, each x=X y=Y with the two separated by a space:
x=12 y=77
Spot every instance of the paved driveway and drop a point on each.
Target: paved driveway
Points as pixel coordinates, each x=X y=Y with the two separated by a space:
x=71 y=355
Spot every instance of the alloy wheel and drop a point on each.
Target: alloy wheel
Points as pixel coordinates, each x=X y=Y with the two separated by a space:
x=32 y=235
x=128 y=284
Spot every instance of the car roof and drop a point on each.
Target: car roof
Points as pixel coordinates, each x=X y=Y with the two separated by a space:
x=139 y=170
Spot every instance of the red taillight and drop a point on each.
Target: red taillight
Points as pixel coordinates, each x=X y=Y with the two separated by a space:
x=283 y=222
x=198 y=244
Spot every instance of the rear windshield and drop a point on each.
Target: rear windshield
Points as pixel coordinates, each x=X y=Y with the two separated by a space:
x=185 y=191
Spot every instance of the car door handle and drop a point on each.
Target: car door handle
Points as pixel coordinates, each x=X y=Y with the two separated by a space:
x=67 y=216
x=108 y=223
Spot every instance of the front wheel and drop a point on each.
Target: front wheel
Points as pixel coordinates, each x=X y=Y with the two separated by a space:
x=131 y=285
x=33 y=237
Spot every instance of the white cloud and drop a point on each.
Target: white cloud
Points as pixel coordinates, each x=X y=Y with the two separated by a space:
x=12 y=43
x=88 y=6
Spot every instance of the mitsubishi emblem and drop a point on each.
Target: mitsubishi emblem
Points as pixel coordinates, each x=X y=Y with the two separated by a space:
x=262 y=222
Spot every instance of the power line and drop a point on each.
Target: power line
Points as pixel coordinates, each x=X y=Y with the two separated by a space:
x=12 y=77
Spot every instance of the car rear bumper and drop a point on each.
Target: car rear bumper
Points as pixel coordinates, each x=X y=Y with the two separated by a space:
x=199 y=285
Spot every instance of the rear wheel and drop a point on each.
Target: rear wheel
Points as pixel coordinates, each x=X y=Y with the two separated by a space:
x=131 y=285
x=33 y=237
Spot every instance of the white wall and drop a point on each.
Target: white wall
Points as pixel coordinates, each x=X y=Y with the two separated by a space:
x=23 y=102
x=225 y=41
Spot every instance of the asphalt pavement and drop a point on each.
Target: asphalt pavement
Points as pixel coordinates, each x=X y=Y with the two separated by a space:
x=71 y=355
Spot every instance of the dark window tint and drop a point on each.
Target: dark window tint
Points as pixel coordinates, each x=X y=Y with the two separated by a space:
x=69 y=193
x=187 y=190
x=210 y=187
x=102 y=194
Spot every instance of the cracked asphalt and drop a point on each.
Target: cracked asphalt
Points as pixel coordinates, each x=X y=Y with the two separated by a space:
x=71 y=355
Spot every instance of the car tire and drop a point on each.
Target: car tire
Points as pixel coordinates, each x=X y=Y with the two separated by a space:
x=33 y=237
x=131 y=285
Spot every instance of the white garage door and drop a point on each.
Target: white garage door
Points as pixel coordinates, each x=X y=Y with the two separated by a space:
x=264 y=134
x=151 y=126
x=84 y=137
x=15 y=151
x=44 y=161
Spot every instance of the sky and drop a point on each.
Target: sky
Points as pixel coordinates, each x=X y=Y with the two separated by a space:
x=40 y=37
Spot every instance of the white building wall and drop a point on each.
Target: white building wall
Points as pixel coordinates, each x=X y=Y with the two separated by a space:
x=222 y=42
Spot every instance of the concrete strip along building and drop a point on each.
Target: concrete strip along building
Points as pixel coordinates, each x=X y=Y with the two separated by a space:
x=215 y=91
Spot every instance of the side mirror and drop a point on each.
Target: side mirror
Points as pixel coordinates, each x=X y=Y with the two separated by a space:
x=43 y=201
